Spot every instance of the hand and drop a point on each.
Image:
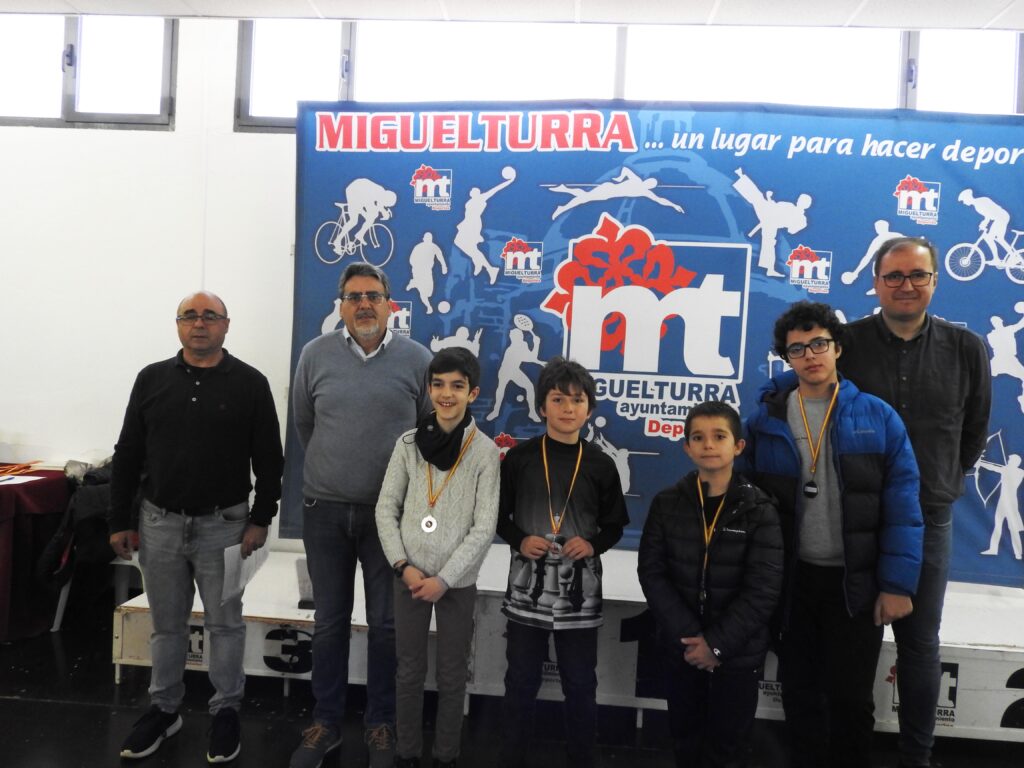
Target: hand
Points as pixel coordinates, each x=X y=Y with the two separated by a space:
x=890 y=607
x=431 y=589
x=533 y=547
x=698 y=653
x=121 y=543
x=254 y=537
x=412 y=576
x=577 y=547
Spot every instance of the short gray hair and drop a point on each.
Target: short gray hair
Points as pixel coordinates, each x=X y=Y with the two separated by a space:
x=362 y=269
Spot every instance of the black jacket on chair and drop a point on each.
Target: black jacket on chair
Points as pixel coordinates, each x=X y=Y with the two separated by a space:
x=731 y=601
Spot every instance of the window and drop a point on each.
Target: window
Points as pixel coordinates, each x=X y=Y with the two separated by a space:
x=967 y=71
x=103 y=70
x=808 y=66
x=284 y=61
x=449 y=61
x=120 y=65
x=30 y=53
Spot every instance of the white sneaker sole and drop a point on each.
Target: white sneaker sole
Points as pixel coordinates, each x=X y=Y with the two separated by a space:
x=171 y=730
x=224 y=758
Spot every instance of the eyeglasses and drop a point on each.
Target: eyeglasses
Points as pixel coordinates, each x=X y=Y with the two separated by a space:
x=917 y=278
x=191 y=318
x=357 y=298
x=818 y=346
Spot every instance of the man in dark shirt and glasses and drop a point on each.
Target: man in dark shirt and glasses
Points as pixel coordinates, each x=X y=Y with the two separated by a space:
x=194 y=428
x=936 y=376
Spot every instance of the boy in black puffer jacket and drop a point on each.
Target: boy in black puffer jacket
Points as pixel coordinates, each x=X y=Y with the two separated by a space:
x=710 y=564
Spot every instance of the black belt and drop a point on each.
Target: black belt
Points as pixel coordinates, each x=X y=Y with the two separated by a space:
x=201 y=511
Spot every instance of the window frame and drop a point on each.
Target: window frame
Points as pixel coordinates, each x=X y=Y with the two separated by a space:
x=71 y=117
x=1019 y=65
x=904 y=80
x=245 y=121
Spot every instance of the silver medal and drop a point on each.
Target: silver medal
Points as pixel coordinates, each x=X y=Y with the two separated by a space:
x=429 y=524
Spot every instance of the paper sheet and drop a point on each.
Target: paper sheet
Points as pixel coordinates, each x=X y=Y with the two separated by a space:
x=239 y=572
x=17 y=479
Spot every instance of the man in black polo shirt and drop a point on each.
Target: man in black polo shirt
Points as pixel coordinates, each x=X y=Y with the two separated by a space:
x=194 y=426
x=936 y=375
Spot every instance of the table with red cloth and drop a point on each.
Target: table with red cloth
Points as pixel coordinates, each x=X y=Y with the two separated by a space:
x=30 y=514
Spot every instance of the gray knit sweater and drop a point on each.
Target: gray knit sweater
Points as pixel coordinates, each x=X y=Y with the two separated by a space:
x=466 y=512
x=349 y=411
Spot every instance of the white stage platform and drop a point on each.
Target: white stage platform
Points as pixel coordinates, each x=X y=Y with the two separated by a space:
x=982 y=693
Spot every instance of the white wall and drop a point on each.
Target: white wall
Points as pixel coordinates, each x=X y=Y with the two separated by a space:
x=102 y=232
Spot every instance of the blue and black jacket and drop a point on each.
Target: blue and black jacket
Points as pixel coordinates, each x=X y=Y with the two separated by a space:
x=879 y=488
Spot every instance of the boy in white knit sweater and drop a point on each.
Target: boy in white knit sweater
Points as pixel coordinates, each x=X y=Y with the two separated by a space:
x=436 y=516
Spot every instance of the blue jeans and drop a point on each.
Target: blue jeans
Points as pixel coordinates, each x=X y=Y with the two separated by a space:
x=177 y=553
x=526 y=652
x=918 y=668
x=336 y=535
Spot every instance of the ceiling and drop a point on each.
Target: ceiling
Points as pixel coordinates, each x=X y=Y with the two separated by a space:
x=899 y=14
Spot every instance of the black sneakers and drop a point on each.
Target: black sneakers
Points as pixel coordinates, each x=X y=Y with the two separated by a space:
x=149 y=731
x=225 y=743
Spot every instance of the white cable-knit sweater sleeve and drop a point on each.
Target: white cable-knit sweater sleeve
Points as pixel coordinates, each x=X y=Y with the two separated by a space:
x=391 y=501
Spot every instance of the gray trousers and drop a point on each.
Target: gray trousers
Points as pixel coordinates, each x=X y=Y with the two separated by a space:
x=177 y=554
x=454 y=633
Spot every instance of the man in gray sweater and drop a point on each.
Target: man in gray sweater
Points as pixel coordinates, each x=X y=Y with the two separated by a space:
x=355 y=391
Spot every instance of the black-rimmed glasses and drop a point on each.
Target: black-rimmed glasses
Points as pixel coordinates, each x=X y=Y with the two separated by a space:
x=918 y=278
x=818 y=346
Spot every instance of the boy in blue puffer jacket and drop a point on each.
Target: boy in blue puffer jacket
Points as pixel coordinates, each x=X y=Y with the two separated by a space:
x=840 y=463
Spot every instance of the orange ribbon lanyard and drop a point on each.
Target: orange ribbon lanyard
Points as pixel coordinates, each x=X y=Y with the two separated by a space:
x=433 y=497
x=18 y=469
x=556 y=521
x=709 y=530
x=815 y=448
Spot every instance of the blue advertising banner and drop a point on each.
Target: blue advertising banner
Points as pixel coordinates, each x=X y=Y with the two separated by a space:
x=656 y=243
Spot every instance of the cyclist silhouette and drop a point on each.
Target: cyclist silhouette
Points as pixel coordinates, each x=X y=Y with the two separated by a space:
x=369 y=201
x=995 y=220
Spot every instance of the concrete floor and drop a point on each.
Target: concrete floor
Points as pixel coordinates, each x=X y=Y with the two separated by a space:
x=59 y=707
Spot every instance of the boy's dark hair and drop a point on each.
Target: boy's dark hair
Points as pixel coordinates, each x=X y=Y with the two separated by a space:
x=713 y=408
x=456 y=360
x=804 y=315
x=898 y=243
x=564 y=375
